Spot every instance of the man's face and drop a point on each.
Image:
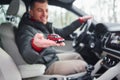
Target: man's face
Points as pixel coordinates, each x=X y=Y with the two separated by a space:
x=40 y=12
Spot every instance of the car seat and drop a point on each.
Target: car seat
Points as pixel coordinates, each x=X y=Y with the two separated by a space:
x=8 y=44
x=8 y=69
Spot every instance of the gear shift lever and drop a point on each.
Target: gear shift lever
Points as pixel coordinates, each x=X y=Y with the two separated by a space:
x=89 y=68
x=88 y=76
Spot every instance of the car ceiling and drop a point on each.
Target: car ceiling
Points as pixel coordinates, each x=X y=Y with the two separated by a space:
x=62 y=3
x=50 y=1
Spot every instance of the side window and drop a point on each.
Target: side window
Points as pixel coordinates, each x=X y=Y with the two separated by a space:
x=7 y=18
x=3 y=9
x=60 y=17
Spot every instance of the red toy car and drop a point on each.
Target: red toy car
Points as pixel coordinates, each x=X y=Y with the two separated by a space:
x=55 y=37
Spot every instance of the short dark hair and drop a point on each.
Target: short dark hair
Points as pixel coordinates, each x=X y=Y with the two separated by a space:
x=32 y=2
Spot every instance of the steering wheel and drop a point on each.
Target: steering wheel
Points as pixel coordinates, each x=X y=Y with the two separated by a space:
x=83 y=37
x=87 y=43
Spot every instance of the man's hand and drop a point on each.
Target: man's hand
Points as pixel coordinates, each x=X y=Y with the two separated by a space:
x=84 y=18
x=41 y=42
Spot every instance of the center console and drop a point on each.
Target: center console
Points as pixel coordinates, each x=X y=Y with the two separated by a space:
x=111 y=43
x=112 y=46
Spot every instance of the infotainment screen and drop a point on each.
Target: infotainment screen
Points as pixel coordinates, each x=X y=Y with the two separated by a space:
x=113 y=42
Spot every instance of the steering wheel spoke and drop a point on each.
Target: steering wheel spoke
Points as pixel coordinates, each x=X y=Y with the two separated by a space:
x=82 y=34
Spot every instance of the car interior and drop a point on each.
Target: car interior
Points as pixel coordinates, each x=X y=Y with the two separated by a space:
x=101 y=40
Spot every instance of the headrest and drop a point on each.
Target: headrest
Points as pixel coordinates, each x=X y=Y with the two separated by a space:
x=16 y=8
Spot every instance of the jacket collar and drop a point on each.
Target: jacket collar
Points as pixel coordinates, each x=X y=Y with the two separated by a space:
x=38 y=25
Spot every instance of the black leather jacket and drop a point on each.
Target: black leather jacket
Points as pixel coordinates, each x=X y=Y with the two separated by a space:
x=26 y=31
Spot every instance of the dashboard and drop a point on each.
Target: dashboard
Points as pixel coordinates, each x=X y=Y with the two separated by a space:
x=110 y=38
x=102 y=41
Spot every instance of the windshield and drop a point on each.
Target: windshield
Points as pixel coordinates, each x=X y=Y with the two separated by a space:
x=101 y=10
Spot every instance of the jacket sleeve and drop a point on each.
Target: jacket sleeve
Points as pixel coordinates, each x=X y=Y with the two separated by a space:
x=68 y=29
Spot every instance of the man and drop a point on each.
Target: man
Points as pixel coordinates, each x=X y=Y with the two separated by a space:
x=35 y=48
